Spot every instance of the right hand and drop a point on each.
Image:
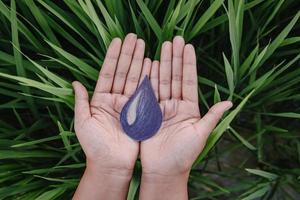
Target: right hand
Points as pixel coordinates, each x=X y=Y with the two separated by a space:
x=97 y=124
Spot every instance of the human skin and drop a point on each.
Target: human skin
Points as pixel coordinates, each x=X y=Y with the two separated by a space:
x=167 y=157
x=110 y=154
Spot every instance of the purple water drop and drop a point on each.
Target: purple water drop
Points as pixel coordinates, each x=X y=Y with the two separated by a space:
x=141 y=116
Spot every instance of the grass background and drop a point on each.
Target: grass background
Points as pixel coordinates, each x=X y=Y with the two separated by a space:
x=248 y=51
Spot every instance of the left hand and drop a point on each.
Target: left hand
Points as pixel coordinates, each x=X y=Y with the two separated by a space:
x=174 y=148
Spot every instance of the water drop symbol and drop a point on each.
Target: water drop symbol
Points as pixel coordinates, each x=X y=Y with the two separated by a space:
x=141 y=116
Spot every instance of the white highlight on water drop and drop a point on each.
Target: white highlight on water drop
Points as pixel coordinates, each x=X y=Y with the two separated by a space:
x=131 y=114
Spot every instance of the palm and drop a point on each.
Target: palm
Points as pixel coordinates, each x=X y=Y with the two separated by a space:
x=106 y=141
x=169 y=147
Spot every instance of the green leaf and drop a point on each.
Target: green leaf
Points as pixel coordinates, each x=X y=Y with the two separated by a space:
x=223 y=18
x=64 y=136
x=235 y=28
x=37 y=13
x=10 y=154
x=138 y=28
x=242 y=140
x=284 y=114
x=229 y=77
x=61 y=92
x=87 y=69
x=133 y=187
x=34 y=142
x=23 y=29
x=271 y=16
x=258 y=60
x=262 y=173
x=18 y=57
x=280 y=38
x=15 y=40
x=247 y=63
x=56 y=79
x=114 y=29
x=258 y=193
x=150 y=19
x=217 y=97
x=69 y=21
x=220 y=129
x=91 y=12
x=290 y=41
x=51 y=194
x=204 y=18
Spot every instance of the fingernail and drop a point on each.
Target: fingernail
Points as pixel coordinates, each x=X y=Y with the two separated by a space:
x=229 y=105
x=132 y=35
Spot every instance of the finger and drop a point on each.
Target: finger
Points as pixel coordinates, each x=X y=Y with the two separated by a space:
x=134 y=73
x=178 y=46
x=154 y=79
x=165 y=71
x=146 y=69
x=106 y=75
x=124 y=63
x=82 y=107
x=189 y=79
x=206 y=125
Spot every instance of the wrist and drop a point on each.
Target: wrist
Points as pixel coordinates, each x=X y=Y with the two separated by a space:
x=160 y=186
x=159 y=178
x=110 y=179
x=98 y=182
x=100 y=170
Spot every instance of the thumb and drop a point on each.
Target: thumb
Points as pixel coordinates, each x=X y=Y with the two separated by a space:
x=82 y=107
x=206 y=124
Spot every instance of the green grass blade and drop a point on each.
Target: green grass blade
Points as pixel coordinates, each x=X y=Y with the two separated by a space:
x=87 y=69
x=220 y=129
x=262 y=173
x=51 y=194
x=34 y=142
x=204 y=18
x=91 y=12
x=229 y=77
x=284 y=114
x=18 y=57
x=39 y=16
x=60 y=92
x=9 y=154
x=217 y=97
x=256 y=194
x=280 y=38
x=242 y=140
x=114 y=29
x=150 y=19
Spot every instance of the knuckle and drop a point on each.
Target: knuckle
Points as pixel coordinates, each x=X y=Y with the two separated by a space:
x=138 y=59
x=133 y=79
x=177 y=77
x=126 y=53
x=166 y=62
x=165 y=82
x=213 y=116
x=117 y=90
x=121 y=74
x=106 y=75
x=189 y=82
x=154 y=77
x=112 y=58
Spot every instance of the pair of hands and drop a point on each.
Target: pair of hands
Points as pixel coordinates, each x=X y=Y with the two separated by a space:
x=167 y=157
